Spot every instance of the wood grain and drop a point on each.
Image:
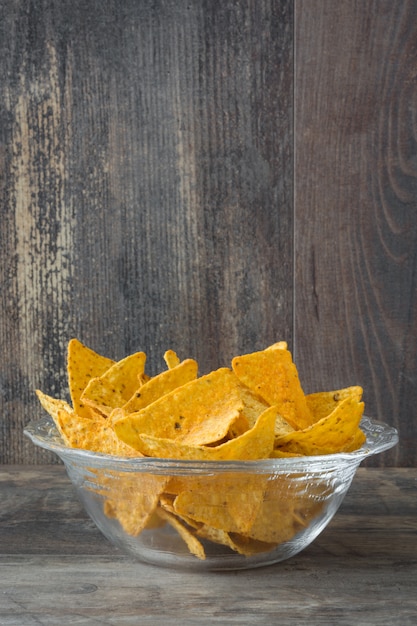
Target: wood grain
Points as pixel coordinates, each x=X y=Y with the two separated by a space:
x=355 y=206
x=146 y=195
x=211 y=177
x=55 y=567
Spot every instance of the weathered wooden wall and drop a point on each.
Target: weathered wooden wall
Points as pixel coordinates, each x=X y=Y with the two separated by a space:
x=356 y=205
x=210 y=176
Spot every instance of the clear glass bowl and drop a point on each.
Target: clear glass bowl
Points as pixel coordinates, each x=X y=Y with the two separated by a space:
x=234 y=515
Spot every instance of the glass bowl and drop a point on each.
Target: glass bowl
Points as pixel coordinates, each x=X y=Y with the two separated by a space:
x=207 y=515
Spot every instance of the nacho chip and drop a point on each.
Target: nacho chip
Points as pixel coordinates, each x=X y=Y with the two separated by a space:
x=248 y=546
x=279 y=345
x=272 y=375
x=355 y=442
x=87 y=434
x=171 y=359
x=200 y=412
x=323 y=403
x=162 y=384
x=234 y=541
x=116 y=386
x=253 y=405
x=193 y=544
x=228 y=502
x=256 y=443
x=327 y=436
x=277 y=521
x=131 y=499
x=240 y=426
x=52 y=405
x=166 y=502
x=83 y=364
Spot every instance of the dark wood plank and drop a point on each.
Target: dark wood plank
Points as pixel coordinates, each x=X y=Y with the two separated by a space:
x=146 y=192
x=362 y=570
x=355 y=206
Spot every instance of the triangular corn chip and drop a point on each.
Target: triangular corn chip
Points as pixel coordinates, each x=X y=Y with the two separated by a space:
x=87 y=434
x=323 y=403
x=160 y=385
x=131 y=499
x=230 y=502
x=199 y=412
x=117 y=385
x=256 y=443
x=171 y=359
x=52 y=405
x=83 y=364
x=327 y=436
x=272 y=375
x=193 y=544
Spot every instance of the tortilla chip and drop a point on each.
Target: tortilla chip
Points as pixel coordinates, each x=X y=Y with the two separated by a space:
x=323 y=403
x=116 y=386
x=171 y=359
x=253 y=405
x=240 y=426
x=162 y=384
x=272 y=375
x=234 y=541
x=228 y=502
x=248 y=546
x=87 y=434
x=327 y=436
x=256 y=443
x=83 y=364
x=52 y=405
x=276 y=522
x=193 y=544
x=355 y=442
x=131 y=499
x=166 y=502
x=279 y=345
x=200 y=412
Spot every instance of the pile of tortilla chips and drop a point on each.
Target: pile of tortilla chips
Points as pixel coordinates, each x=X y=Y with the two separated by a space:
x=256 y=409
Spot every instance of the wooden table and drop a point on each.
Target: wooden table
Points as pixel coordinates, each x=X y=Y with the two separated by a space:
x=57 y=569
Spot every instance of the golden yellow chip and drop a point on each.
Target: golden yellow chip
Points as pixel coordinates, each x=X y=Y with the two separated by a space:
x=193 y=544
x=83 y=364
x=248 y=546
x=130 y=499
x=277 y=521
x=52 y=405
x=117 y=385
x=239 y=543
x=327 y=436
x=280 y=345
x=272 y=375
x=171 y=359
x=200 y=412
x=253 y=405
x=323 y=403
x=240 y=426
x=355 y=442
x=87 y=434
x=228 y=502
x=160 y=385
x=256 y=443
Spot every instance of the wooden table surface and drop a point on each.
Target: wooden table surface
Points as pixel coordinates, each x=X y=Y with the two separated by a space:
x=56 y=568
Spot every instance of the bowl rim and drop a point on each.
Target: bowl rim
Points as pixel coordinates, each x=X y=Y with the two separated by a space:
x=379 y=438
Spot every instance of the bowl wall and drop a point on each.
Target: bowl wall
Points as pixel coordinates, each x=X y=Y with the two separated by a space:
x=211 y=515
x=230 y=519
